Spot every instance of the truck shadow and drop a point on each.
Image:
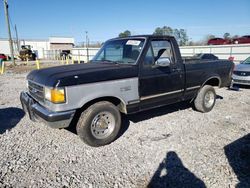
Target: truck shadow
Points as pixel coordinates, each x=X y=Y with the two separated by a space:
x=237 y=87
x=156 y=112
x=148 y=114
x=172 y=173
x=238 y=155
x=9 y=118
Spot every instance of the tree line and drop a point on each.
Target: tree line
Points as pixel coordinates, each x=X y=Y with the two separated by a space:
x=181 y=35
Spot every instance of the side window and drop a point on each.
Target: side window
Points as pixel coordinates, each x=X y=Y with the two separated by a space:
x=159 y=49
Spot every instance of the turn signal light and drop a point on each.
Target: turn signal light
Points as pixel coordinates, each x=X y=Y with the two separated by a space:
x=55 y=95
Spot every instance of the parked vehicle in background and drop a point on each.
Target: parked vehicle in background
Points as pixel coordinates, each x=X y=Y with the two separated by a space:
x=201 y=56
x=3 y=57
x=218 y=41
x=26 y=53
x=241 y=73
x=242 y=40
x=127 y=75
x=206 y=56
x=65 y=53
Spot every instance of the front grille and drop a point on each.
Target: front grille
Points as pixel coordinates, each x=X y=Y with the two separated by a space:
x=242 y=73
x=242 y=81
x=36 y=91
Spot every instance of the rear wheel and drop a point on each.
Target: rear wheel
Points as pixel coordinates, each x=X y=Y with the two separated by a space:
x=99 y=124
x=205 y=100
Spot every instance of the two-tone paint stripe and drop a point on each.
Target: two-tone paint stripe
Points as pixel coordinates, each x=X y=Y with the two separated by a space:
x=169 y=93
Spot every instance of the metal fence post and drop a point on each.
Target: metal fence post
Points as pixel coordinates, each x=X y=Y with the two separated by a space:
x=79 y=56
x=67 y=60
x=37 y=63
x=2 y=66
x=43 y=54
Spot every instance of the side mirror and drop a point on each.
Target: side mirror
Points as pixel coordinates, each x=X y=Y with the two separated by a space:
x=163 y=62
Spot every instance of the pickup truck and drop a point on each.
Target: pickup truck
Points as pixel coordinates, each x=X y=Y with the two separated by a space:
x=127 y=75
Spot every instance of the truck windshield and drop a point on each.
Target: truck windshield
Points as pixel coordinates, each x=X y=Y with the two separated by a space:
x=122 y=51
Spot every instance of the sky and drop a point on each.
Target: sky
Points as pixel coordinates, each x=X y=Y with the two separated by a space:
x=105 y=19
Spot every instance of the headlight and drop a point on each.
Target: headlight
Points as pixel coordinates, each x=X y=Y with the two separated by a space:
x=55 y=95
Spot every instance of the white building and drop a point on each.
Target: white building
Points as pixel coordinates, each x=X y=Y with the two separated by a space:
x=40 y=47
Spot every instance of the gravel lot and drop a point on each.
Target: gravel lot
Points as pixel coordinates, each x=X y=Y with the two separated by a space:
x=167 y=147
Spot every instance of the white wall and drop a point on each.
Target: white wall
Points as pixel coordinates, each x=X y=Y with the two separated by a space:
x=81 y=53
x=4 y=46
x=238 y=51
x=62 y=40
x=37 y=45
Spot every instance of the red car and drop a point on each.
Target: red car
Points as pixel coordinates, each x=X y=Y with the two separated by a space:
x=3 y=57
x=218 y=41
x=242 y=40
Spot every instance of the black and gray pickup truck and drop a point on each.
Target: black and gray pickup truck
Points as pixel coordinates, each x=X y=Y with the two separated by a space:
x=126 y=76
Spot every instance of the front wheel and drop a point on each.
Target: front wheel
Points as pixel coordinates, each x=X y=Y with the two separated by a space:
x=99 y=124
x=205 y=100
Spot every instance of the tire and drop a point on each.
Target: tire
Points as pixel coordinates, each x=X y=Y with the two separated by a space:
x=205 y=100
x=99 y=124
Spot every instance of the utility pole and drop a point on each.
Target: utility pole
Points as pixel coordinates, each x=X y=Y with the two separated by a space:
x=17 y=40
x=9 y=32
x=87 y=46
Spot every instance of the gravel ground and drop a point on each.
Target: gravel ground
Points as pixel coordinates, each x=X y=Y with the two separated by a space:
x=167 y=147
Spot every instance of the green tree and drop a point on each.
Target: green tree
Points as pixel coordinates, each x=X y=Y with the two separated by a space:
x=158 y=31
x=126 y=33
x=226 y=36
x=165 y=30
x=179 y=34
x=182 y=37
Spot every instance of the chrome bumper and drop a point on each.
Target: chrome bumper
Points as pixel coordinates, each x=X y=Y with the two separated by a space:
x=37 y=112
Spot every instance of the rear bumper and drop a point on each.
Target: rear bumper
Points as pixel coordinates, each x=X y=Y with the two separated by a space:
x=37 y=112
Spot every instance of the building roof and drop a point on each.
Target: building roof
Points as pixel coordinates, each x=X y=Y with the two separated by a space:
x=62 y=40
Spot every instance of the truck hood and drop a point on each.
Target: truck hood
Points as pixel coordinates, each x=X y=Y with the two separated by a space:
x=68 y=75
x=242 y=67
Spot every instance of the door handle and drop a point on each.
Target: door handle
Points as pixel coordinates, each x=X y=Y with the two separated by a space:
x=177 y=69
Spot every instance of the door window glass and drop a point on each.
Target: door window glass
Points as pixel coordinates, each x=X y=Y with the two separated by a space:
x=159 y=49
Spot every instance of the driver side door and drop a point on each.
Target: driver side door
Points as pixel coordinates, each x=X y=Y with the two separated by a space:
x=161 y=80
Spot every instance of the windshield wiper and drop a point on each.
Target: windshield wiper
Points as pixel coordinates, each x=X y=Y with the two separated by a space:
x=114 y=62
x=109 y=61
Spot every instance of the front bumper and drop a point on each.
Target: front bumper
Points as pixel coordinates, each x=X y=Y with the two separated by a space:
x=241 y=80
x=37 y=112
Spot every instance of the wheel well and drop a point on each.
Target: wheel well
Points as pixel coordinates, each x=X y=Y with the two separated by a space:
x=116 y=101
x=212 y=82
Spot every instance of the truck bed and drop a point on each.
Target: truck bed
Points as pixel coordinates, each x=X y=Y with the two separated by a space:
x=197 y=70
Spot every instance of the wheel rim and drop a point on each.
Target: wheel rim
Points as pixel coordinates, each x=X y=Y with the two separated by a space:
x=103 y=125
x=209 y=99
